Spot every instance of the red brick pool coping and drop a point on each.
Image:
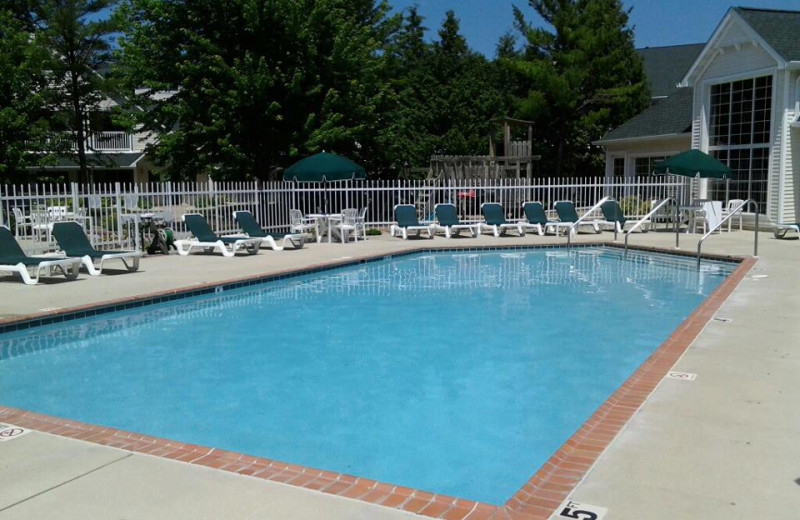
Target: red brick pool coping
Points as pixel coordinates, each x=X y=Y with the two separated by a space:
x=536 y=500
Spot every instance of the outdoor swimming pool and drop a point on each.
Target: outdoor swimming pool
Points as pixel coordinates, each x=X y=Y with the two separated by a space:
x=456 y=373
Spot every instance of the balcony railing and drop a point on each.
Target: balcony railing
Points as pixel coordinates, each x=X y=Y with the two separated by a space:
x=95 y=141
x=110 y=141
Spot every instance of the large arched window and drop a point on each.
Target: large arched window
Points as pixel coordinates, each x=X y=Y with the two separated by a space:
x=739 y=135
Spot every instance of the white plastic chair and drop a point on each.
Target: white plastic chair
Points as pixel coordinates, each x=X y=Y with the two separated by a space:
x=348 y=222
x=21 y=221
x=41 y=222
x=730 y=209
x=361 y=223
x=300 y=224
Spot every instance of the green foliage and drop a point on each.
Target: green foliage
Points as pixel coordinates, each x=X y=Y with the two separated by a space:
x=633 y=205
x=444 y=95
x=580 y=79
x=372 y=232
x=254 y=84
x=76 y=38
x=23 y=96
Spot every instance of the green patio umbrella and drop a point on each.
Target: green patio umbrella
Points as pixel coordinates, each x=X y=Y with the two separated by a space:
x=324 y=167
x=693 y=163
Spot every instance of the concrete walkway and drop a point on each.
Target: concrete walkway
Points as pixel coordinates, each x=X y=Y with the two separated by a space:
x=720 y=447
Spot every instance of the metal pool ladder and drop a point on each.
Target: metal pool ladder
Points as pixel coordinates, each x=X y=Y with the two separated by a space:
x=582 y=217
x=730 y=215
x=647 y=217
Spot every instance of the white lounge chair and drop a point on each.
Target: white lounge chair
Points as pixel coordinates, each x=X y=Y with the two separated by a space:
x=406 y=220
x=205 y=238
x=253 y=229
x=73 y=241
x=614 y=217
x=567 y=214
x=13 y=259
x=781 y=229
x=495 y=220
x=447 y=220
x=536 y=219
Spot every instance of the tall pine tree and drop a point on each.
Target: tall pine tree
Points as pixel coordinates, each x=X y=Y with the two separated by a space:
x=582 y=77
x=23 y=92
x=77 y=36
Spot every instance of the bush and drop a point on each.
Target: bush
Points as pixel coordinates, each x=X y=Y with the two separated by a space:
x=373 y=232
x=634 y=206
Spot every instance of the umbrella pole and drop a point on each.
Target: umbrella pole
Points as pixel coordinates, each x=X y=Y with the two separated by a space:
x=727 y=191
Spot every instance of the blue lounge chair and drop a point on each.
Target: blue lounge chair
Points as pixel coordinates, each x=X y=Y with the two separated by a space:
x=74 y=242
x=13 y=259
x=251 y=227
x=567 y=213
x=205 y=238
x=448 y=221
x=495 y=220
x=405 y=216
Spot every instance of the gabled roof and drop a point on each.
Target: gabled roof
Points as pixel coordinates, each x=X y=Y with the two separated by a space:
x=665 y=66
x=669 y=116
x=780 y=29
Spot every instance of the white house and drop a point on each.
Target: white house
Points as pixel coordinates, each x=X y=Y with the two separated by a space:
x=738 y=100
x=113 y=154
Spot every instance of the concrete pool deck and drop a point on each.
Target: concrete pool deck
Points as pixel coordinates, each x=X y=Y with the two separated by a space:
x=721 y=446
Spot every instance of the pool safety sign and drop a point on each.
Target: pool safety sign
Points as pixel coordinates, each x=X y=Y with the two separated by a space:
x=9 y=431
x=578 y=511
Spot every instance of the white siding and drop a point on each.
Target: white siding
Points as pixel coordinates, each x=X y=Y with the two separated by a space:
x=732 y=34
x=735 y=62
x=790 y=186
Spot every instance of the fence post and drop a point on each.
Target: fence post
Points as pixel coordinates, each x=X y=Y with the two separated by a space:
x=75 y=202
x=118 y=205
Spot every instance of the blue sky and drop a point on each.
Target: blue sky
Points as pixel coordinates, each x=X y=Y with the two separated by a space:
x=657 y=22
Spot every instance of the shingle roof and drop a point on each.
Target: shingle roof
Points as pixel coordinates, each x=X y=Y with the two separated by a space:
x=666 y=66
x=779 y=28
x=672 y=115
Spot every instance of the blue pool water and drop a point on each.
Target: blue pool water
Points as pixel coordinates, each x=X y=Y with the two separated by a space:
x=454 y=373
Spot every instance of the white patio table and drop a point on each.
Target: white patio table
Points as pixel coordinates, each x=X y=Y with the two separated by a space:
x=326 y=222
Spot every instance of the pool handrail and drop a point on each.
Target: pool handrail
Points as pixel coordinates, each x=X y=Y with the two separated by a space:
x=647 y=217
x=582 y=217
x=733 y=212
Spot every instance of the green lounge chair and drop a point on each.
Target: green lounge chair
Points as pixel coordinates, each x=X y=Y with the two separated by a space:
x=205 y=238
x=567 y=213
x=14 y=259
x=495 y=219
x=537 y=219
x=448 y=221
x=405 y=216
x=252 y=229
x=74 y=243
x=613 y=216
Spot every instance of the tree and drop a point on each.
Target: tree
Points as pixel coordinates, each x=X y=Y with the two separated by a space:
x=23 y=94
x=465 y=95
x=252 y=85
x=581 y=79
x=76 y=33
